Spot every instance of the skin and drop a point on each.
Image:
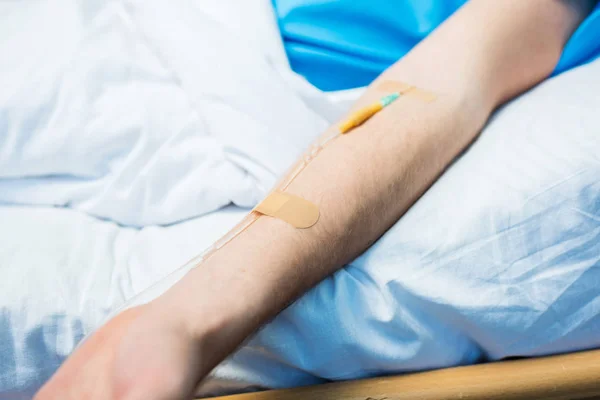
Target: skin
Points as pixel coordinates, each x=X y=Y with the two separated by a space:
x=484 y=55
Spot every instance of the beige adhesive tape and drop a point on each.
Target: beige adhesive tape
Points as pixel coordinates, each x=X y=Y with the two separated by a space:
x=407 y=90
x=292 y=209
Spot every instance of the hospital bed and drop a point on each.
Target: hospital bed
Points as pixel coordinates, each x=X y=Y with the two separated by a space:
x=561 y=377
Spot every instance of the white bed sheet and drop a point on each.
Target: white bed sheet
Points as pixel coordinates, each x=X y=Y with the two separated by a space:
x=130 y=113
x=63 y=272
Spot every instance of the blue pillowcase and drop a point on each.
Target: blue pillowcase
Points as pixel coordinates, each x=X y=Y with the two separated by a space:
x=340 y=44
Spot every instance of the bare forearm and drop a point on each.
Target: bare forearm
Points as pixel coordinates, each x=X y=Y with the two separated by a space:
x=364 y=181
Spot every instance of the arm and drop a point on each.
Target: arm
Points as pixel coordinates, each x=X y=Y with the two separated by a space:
x=484 y=55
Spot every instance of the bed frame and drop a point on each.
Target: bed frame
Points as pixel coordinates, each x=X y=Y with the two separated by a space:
x=569 y=376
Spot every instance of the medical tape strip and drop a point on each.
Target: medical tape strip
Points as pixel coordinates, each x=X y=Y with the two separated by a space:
x=294 y=210
x=407 y=90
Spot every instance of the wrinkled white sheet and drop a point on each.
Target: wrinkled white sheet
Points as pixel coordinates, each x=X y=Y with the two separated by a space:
x=141 y=112
x=148 y=112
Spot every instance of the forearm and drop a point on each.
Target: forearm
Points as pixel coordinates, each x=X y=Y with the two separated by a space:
x=364 y=181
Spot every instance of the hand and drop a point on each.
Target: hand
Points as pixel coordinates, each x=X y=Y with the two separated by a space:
x=142 y=354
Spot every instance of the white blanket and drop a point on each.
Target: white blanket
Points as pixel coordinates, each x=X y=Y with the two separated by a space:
x=142 y=112
x=116 y=116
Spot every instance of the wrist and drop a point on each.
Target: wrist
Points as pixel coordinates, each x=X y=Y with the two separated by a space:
x=210 y=325
x=202 y=305
x=226 y=298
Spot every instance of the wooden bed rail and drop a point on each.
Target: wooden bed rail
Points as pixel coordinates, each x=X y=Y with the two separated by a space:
x=568 y=376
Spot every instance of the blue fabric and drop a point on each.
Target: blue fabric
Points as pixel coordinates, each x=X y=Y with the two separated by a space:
x=340 y=44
